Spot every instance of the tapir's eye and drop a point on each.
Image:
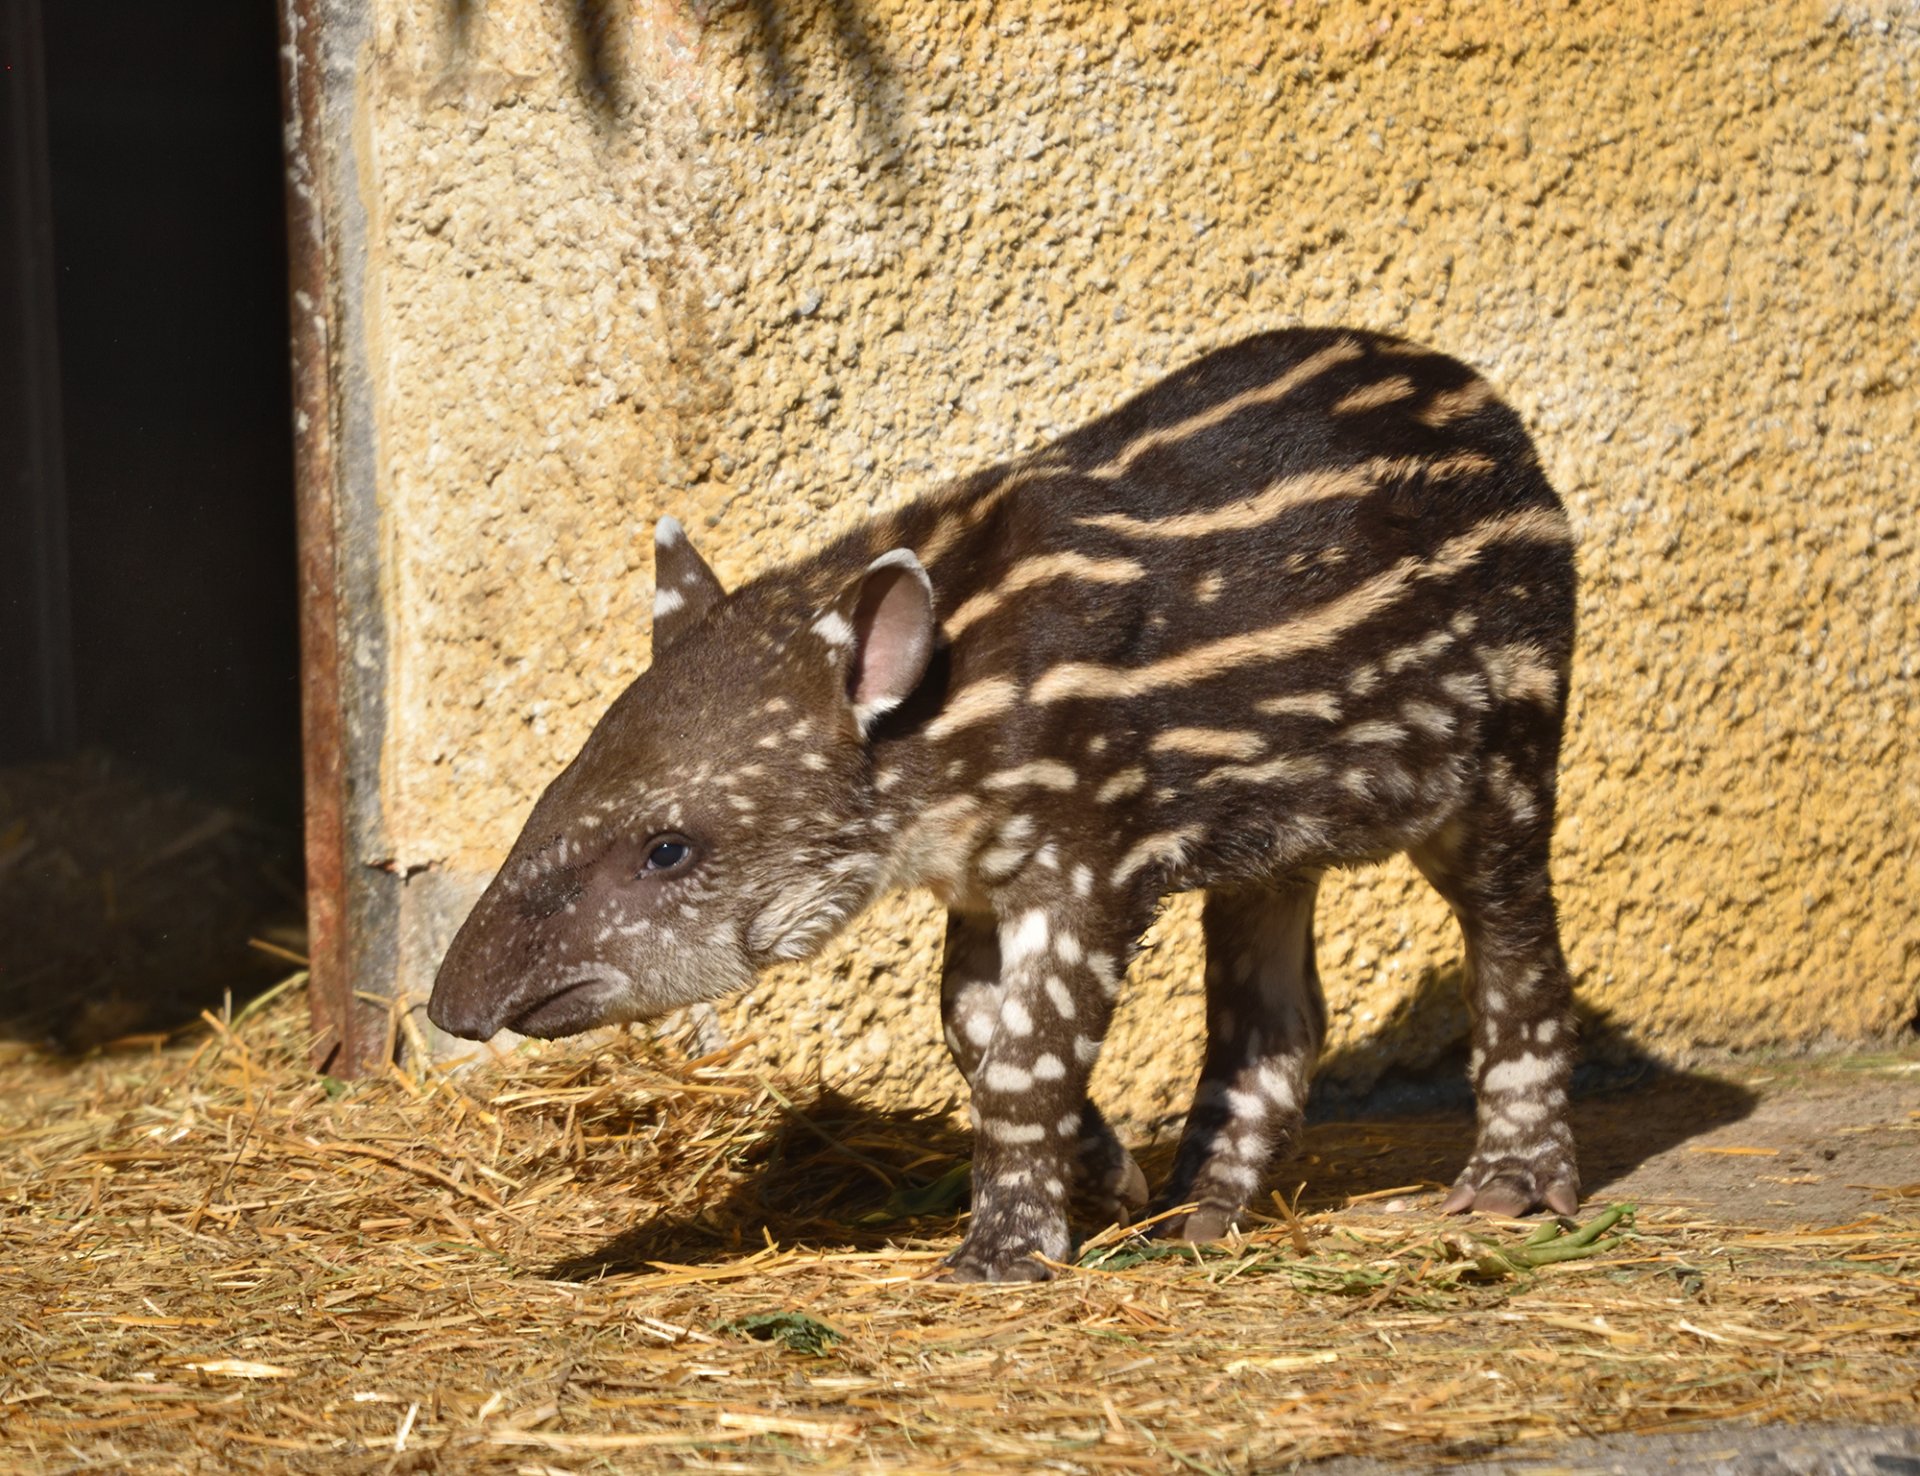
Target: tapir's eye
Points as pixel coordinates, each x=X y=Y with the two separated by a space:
x=667 y=853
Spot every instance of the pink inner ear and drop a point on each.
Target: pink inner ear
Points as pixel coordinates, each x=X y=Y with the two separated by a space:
x=893 y=635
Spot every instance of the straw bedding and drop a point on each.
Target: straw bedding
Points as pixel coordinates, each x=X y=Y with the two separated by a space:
x=595 y=1256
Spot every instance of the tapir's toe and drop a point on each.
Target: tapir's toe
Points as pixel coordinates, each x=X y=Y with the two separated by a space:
x=1512 y=1189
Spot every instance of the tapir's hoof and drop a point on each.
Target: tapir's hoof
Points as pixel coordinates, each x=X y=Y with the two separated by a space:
x=1199 y=1226
x=967 y=1265
x=1511 y=1190
x=1117 y=1200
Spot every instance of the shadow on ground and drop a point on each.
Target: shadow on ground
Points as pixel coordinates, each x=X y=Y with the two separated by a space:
x=842 y=1173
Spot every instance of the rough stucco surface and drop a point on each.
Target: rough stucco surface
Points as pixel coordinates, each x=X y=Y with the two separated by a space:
x=805 y=260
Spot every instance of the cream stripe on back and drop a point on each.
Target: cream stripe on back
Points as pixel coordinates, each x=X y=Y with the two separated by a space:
x=1451 y=405
x=1307 y=370
x=1037 y=570
x=1373 y=396
x=1232 y=743
x=985 y=699
x=1288 y=493
x=1310 y=631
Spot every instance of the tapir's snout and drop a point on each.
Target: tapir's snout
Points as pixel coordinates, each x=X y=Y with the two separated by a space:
x=509 y=969
x=468 y=998
x=460 y=1009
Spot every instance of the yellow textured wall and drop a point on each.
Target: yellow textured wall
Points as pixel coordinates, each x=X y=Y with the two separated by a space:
x=804 y=260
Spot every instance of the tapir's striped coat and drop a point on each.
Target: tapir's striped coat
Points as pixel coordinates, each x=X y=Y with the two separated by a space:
x=1307 y=602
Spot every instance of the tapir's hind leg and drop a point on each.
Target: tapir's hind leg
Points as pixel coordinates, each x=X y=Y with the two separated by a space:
x=1265 y=1021
x=1490 y=864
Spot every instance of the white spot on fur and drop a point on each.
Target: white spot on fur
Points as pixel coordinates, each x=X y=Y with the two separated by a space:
x=1040 y=774
x=1510 y=791
x=974 y=704
x=1520 y=1075
x=1128 y=781
x=833 y=628
x=1166 y=847
x=1017 y=1018
x=1002 y=1077
x=1287 y=769
x=667 y=601
x=1416 y=653
x=1001 y=862
x=1436 y=722
x=1060 y=996
x=1278 y=1089
x=1521 y=672
x=1246 y=1106
x=1305 y=704
x=1049 y=1068
x=1082 y=880
x=1024 y=939
x=1210 y=742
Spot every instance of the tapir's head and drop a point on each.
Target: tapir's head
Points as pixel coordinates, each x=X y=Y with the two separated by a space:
x=718 y=819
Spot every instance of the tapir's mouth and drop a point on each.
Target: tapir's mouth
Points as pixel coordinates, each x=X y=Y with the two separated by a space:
x=576 y=1006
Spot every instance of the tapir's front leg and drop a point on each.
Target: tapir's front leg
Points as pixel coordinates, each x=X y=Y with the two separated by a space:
x=1059 y=968
x=1107 y=1186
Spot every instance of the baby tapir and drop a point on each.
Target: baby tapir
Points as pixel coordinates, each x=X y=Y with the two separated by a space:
x=1307 y=602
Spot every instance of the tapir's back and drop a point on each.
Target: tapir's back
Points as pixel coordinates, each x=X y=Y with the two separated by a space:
x=1268 y=607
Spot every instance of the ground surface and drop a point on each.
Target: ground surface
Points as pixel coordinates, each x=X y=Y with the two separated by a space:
x=1725 y=1450
x=126 y=904
x=590 y=1258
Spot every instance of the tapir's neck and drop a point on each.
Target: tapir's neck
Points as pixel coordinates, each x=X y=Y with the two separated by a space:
x=930 y=819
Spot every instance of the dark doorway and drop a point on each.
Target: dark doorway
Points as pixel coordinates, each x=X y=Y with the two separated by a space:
x=149 y=770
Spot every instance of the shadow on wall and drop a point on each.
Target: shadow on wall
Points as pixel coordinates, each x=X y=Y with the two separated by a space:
x=873 y=88
x=599 y=53
x=1416 y=1059
x=603 y=71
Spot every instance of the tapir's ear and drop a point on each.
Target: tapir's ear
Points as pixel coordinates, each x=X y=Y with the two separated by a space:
x=882 y=629
x=684 y=588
